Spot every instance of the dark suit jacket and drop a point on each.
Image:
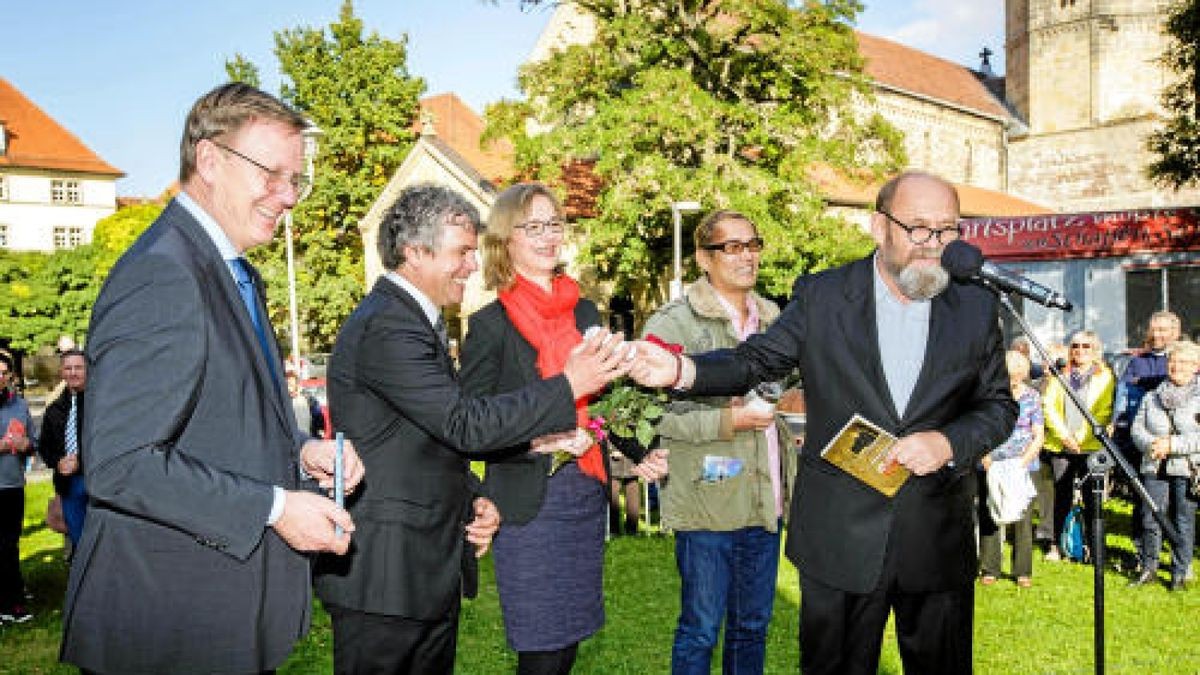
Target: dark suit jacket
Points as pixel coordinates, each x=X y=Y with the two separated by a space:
x=393 y=390
x=496 y=358
x=52 y=443
x=185 y=434
x=840 y=530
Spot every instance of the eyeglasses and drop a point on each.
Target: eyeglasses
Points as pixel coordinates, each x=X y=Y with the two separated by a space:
x=537 y=228
x=920 y=234
x=1080 y=345
x=275 y=178
x=735 y=247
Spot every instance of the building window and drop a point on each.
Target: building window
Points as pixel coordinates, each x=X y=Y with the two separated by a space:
x=3 y=236
x=67 y=236
x=65 y=192
x=1175 y=288
x=3 y=188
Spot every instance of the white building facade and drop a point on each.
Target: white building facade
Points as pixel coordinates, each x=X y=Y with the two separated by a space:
x=53 y=189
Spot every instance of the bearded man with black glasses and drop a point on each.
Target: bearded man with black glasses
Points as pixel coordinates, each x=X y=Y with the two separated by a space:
x=891 y=339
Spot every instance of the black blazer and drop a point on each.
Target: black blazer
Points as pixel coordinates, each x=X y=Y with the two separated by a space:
x=394 y=392
x=52 y=443
x=185 y=433
x=840 y=532
x=496 y=358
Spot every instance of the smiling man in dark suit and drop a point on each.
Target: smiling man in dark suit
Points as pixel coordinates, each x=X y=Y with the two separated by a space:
x=192 y=558
x=890 y=338
x=394 y=599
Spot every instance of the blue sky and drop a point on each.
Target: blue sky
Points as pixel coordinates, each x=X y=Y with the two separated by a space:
x=121 y=74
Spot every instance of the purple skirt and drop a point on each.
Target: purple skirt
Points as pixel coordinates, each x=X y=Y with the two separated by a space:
x=550 y=571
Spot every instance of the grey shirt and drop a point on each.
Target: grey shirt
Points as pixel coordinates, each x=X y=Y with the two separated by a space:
x=903 y=329
x=12 y=467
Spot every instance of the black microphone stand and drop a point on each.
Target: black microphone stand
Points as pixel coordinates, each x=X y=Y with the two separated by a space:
x=1099 y=465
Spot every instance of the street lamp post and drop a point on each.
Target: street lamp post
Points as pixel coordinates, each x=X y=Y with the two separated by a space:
x=677 y=211
x=311 y=135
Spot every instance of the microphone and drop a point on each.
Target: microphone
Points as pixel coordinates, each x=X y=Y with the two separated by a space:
x=965 y=262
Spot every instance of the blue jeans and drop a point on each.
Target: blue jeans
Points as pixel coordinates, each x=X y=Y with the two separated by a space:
x=1170 y=494
x=74 y=503
x=730 y=576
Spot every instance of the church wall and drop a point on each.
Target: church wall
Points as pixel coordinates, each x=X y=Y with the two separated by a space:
x=1090 y=170
x=962 y=147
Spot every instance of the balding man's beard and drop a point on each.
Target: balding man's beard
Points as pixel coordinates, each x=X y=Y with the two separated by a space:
x=922 y=282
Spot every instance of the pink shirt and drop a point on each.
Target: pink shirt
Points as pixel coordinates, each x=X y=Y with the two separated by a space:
x=743 y=331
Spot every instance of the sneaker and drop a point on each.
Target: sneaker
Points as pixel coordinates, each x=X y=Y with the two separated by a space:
x=987 y=580
x=16 y=614
x=1024 y=582
x=1052 y=555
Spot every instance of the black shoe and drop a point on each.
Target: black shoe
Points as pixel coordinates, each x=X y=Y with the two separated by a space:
x=1178 y=584
x=631 y=527
x=1147 y=576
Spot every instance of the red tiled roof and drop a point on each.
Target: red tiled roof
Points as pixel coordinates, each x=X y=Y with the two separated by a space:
x=583 y=188
x=838 y=188
x=36 y=141
x=895 y=65
x=460 y=128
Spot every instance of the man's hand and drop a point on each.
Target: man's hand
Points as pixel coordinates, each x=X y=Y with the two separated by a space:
x=317 y=459
x=68 y=465
x=481 y=530
x=1070 y=444
x=921 y=453
x=575 y=442
x=655 y=366
x=747 y=418
x=595 y=362
x=987 y=462
x=654 y=465
x=307 y=524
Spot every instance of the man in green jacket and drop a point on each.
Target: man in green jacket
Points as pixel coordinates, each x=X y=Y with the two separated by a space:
x=728 y=484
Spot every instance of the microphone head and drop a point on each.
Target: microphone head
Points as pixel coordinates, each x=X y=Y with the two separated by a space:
x=962 y=260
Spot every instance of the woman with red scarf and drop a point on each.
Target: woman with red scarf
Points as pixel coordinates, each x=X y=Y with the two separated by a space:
x=549 y=553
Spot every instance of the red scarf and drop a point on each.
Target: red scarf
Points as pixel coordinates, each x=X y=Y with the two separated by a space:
x=547 y=321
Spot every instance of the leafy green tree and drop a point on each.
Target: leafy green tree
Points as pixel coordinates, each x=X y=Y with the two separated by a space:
x=114 y=234
x=1177 y=143
x=356 y=87
x=729 y=103
x=43 y=296
x=242 y=69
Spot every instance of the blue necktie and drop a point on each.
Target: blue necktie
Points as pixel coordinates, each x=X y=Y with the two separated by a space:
x=245 y=284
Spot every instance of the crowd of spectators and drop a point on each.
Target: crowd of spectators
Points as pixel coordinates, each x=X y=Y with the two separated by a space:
x=1148 y=401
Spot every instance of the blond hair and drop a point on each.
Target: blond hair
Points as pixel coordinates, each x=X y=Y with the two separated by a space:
x=1017 y=363
x=1183 y=348
x=511 y=209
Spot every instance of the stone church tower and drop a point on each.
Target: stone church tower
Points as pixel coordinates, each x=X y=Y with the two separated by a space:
x=1084 y=78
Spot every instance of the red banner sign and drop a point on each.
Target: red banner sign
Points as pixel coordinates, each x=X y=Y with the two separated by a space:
x=1085 y=235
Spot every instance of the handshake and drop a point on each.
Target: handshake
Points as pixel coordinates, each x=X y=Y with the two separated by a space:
x=604 y=356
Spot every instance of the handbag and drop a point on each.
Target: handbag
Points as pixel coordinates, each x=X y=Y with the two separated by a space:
x=54 y=515
x=1071 y=540
x=1010 y=490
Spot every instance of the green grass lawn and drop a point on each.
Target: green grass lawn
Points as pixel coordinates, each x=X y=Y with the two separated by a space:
x=1046 y=629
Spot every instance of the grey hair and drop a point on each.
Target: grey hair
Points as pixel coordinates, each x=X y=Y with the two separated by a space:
x=418 y=218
